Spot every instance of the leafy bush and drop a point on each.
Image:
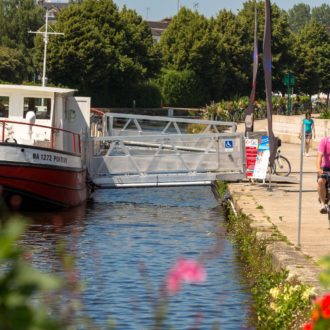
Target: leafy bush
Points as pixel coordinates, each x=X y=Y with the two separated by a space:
x=20 y=283
x=280 y=302
x=325 y=115
x=147 y=95
x=182 y=89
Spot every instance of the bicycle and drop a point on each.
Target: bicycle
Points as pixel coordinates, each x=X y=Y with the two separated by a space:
x=281 y=165
x=327 y=196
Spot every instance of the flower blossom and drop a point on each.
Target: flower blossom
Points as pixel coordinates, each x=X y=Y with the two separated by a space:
x=274 y=292
x=184 y=271
x=320 y=318
x=308 y=326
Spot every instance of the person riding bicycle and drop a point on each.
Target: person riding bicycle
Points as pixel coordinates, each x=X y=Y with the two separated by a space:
x=323 y=169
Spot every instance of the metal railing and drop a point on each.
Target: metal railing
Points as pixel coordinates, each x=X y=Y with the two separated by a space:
x=165 y=158
x=116 y=124
x=40 y=136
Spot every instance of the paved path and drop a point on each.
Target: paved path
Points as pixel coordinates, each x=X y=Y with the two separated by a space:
x=280 y=207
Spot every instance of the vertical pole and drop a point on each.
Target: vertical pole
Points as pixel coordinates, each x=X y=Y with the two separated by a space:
x=218 y=151
x=79 y=144
x=52 y=139
x=73 y=143
x=270 y=170
x=300 y=180
x=3 y=131
x=291 y=90
x=45 y=52
x=289 y=100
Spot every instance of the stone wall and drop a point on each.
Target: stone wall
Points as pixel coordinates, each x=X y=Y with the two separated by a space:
x=287 y=128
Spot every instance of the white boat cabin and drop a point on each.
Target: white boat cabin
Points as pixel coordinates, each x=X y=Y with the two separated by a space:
x=43 y=116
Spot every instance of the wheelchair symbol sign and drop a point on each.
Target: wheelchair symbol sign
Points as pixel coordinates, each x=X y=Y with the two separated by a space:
x=229 y=145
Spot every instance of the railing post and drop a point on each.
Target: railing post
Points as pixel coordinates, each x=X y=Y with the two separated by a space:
x=73 y=142
x=218 y=151
x=3 y=131
x=79 y=143
x=52 y=138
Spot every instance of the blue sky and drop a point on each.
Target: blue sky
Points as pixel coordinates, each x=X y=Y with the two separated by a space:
x=159 y=9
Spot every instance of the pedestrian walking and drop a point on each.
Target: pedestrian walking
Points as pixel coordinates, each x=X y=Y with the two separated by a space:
x=309 y=129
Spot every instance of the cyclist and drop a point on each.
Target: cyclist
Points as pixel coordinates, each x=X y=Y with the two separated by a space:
x=323 y=169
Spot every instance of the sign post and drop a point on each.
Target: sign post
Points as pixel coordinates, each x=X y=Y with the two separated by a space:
x=302 y=146
x=289 y=81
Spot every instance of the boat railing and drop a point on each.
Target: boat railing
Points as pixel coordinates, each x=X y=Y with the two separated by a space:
x=40 y=135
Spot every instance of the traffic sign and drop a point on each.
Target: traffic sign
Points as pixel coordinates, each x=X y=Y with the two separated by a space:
x=289 y=79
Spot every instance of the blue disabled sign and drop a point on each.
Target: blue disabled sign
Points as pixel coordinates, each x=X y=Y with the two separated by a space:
x=229 y=145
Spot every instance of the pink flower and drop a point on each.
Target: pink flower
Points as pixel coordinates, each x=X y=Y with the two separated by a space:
x=184 y=271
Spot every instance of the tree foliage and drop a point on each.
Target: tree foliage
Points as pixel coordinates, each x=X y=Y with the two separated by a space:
x=110 y=55
x=299 y=16
x=313 y=50
x=102 y=49
x=12 y=65
x=20 y=283
x=17 y=18
x=321 y=14
x=182 y=88
x=282 y=57
x=231 y=36
x=188 y=44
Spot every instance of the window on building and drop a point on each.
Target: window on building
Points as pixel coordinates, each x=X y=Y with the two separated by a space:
x=40 y=106
x=4 y=106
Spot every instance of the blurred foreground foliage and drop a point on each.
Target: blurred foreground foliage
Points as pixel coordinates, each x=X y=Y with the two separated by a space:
x=23 y=289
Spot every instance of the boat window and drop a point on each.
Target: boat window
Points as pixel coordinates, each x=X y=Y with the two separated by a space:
x=40 y=106
x=4 y=106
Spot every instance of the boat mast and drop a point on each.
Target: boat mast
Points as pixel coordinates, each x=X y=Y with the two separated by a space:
x=45 y=35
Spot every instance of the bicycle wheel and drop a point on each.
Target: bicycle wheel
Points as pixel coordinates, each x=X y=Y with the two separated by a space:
x=282 y=166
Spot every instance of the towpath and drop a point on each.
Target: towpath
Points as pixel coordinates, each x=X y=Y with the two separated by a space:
x=280 y=207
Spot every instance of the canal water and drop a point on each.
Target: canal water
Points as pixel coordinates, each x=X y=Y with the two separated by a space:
x=127 y=240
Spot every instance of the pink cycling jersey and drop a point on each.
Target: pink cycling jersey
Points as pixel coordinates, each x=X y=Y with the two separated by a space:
x=324 y=149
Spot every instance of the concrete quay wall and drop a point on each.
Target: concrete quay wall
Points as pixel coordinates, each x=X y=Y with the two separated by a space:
x=285 y=255
x=274 y=212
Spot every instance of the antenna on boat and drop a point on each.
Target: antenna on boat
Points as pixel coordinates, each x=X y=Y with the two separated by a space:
x=45 y=35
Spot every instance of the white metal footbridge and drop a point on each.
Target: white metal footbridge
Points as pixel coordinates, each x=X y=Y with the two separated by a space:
x=136 y=150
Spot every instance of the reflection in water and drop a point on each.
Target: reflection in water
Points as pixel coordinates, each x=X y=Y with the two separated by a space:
x=127 y=240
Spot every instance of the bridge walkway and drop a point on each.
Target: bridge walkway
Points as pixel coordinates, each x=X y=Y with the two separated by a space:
x=138 y=150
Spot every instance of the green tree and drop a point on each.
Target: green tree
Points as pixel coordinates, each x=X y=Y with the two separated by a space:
x=182 y=88
x=12 y=65
x=315 y=41
x=188 y=44
x=102 y=51
x=321 y=14
x=17 y=18
x=231 y=38
x=299 y=16
x=304 y=69
x=282 y=43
